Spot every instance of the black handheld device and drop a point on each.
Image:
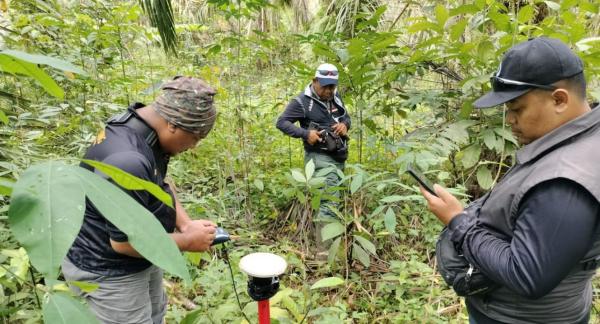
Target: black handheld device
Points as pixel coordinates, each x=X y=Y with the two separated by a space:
x=421 y=179
x=221 y=236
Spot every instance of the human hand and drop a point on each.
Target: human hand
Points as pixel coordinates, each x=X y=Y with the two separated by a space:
x=340 y=129
x=200 y=234
x=314 y=136
x=445 y=206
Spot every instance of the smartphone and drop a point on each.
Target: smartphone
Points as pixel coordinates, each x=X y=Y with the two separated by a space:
x=421 y=179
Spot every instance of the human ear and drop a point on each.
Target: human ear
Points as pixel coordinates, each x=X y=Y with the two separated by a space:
x=560 y=98
x=171 y=128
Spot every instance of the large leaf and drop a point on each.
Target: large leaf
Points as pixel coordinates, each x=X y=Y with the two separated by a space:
x=131 y=182
x=328 y=282
x=150 y=240
x=45 y=60
x=390 y=220
x=357 y=181
x=332 y=230
x=484 y=177
x=16 y=66
x=298 y=176
x=361 y=255
x=366 y=244
x=62 y=308
x=471 y=156
x=46 y=213
x=333 y=250
x=161 y=16
x=309 y=169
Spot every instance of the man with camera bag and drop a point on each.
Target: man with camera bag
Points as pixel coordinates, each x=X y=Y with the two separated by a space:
x=324 y=125
x=536 y=234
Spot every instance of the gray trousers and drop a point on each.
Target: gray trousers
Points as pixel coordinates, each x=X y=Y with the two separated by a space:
x=332 y=179
x=135 y=298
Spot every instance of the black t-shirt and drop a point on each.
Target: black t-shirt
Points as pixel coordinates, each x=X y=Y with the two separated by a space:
x=125 y=146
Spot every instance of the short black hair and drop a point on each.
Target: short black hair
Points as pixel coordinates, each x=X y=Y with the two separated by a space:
x=577 y=84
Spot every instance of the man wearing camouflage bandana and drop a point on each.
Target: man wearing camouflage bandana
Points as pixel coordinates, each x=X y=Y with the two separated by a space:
x=140 y=142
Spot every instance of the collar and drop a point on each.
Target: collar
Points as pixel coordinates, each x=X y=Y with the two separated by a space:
x=309 y=92
x=559 y=135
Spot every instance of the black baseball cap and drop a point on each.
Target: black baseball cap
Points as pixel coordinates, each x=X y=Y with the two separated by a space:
x=536 y=63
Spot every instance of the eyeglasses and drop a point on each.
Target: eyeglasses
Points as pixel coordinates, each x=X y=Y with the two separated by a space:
x=327 y=73
x=502 y=84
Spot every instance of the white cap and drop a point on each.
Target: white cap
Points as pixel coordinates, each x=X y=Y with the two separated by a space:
x=263 y=265
x=327 y=74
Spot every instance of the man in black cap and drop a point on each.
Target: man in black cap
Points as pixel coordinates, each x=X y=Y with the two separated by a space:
x=536 y=234
x=140 y=142
x=324 y=125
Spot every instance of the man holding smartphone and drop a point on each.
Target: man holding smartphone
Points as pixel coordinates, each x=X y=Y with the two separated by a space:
x=324 y=124
x=536 y=234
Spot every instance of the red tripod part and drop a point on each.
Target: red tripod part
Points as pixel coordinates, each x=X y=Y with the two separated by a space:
x=263 y=271
x=264 y=316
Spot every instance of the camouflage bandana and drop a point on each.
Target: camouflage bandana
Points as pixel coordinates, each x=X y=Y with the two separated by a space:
x=188 y=103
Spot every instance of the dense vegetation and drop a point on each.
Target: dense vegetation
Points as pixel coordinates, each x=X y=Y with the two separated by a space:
x=409 y=73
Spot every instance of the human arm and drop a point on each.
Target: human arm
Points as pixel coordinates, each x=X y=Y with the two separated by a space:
x=293 y=112
x=192 y=235
x=540 y=254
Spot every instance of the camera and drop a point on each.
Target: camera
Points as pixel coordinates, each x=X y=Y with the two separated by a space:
x=331 y=142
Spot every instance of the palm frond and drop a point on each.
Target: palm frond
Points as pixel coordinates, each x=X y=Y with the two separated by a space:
x=161 y=16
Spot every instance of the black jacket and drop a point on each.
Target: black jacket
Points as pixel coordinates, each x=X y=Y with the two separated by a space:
x=306 y=108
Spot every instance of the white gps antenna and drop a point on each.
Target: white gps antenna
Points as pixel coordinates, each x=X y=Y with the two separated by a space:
x=263 y=270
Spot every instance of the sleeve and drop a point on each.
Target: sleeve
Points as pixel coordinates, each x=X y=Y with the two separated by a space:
x=292 y=113
x=135 y=164
x=346 y=119
x=538 y=257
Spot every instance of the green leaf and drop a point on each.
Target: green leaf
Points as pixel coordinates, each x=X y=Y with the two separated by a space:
x=471 y=156
x=489 y=139
x=150 y=240
x=441 y=15
x=131 y=182
x=464 y=9
x=333 y=250
x=457 y=132
x=390 y=220
x=309 y=169
x=298 y=176
x=6 y=186
x=484 y=177
x=525 y=14
x=46 y=213
x=458 y=29
x=423 y=26
x=259 y=184
x=466 y=109
x=161 y=16
x=13 y=65
x=332 y=230
x=357 y=181
x=87 y=287
x=506 y=134
x=62 y=308
x=366 y=244
x=361 y=255
x=328 y=283
x=45 y=60
x=3 y=118
x=392 y=199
